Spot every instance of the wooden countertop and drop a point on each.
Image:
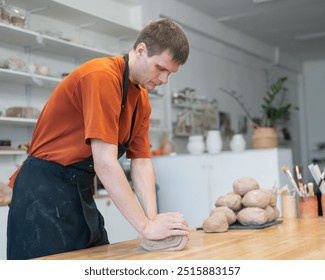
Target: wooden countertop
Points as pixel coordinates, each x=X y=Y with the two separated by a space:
x=291 y=240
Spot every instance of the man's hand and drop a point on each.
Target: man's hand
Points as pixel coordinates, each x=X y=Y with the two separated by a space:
x=165 y=225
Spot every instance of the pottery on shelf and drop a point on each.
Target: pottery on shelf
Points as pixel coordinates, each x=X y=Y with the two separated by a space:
x=237 y=143
x=196 y=145
x=214 y=142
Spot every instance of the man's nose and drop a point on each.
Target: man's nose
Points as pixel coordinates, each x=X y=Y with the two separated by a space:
x=164 y=77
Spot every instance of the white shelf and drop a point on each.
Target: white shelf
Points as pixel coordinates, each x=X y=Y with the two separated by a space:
x=12 y=152
x=190 y=107
x=35 y=40
x=17 y=35
x=155 y=96
x=18 y=121
x=12 y=76
x=78 y=17
x=182 y=135
x=157 y=129
x=318 y=152
x=182 y=106
x=66 y=48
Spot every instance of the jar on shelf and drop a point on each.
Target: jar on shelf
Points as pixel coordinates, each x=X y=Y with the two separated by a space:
x=4 y=12
x=196 y=145
x=237 y=143
x=17 y=16
x=214 y=142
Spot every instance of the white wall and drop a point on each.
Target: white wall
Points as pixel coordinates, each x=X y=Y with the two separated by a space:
x=314 y=99
x=223 y=57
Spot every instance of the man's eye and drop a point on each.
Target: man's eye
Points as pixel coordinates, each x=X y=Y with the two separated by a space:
x=161 y=68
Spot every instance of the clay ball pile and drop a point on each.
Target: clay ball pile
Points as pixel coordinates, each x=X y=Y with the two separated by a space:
x=248 y=204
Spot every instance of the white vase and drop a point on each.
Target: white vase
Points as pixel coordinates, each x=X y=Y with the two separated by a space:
x=237 y=143
x=196 y=145
x=213 y=142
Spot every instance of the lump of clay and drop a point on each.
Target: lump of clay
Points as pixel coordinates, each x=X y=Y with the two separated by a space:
x=172 y=243
x=5 y=194
x=230 y=200
x=256 y=198
x=273 y=197
x=252 y=216
x=271 y=213
x=223 y=210
x=217 y=222
x=276 y=213
x=245 y=184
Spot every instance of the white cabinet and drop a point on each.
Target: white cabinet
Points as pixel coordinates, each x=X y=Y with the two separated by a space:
x=117 y=227
x=191 y=184
x=3 y=231
x=183 y=186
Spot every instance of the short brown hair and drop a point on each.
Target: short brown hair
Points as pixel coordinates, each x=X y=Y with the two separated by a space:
x=164 y=34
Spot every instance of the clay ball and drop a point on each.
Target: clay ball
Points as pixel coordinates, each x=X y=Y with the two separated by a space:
x=245 y=184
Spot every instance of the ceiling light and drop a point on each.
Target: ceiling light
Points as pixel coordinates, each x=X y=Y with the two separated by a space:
x=310 y=36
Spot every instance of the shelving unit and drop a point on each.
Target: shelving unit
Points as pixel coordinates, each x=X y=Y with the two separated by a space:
x=36 y=43
x=194 y=114
x=160 y=103
x=161 y=100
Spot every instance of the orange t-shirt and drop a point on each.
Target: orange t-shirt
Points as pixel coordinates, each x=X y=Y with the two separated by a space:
x=87 y=104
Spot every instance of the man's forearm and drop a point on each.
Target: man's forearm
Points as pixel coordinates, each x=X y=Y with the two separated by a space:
x=122 y=195
x=112 y=176
x=143 y=178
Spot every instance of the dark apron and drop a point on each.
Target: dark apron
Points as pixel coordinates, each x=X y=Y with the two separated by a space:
x=44 y=196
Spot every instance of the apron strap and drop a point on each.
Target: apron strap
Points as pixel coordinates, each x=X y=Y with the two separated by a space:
x=88 y=163
x=125 y=81
x=122 y=148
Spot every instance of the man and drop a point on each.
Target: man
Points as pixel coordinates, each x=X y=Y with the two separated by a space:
x=94 y=115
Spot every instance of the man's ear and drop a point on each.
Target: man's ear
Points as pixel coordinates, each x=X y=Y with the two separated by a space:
x=141 y=49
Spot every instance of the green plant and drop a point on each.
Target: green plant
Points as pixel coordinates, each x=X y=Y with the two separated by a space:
x=273 y=108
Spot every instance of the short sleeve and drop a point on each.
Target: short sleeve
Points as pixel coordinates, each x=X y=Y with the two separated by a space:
x=100 y=98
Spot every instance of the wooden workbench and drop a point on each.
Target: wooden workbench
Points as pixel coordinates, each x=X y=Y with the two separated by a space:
x=291 y=240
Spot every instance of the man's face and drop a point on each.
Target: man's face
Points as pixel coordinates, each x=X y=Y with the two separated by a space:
x=154 y=71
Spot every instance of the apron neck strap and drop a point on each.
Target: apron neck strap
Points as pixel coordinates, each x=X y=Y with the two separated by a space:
x=125 y=80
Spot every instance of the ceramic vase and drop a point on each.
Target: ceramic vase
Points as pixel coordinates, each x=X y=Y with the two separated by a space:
x=213 y=142
x=196 y=145
x=237 y=143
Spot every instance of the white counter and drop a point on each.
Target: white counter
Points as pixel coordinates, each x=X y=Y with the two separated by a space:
x=192 y=183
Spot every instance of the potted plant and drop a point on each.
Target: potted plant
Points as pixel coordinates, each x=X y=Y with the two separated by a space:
x=274 y=108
